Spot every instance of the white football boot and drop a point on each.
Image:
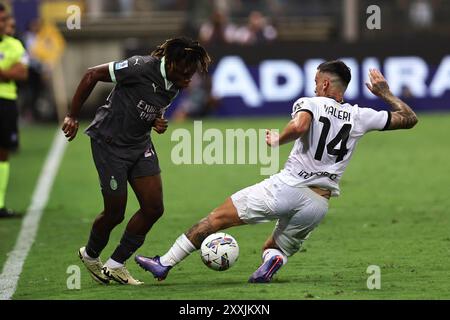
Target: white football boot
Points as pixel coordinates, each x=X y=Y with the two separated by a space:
x=94 y=267
x=120 y=275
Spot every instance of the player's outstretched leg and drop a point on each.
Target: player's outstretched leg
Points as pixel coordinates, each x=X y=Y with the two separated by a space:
x=223 y=217
x=289 y=234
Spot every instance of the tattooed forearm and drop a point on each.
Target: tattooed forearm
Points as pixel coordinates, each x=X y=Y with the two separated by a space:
x=403 y=117
x=200 y=231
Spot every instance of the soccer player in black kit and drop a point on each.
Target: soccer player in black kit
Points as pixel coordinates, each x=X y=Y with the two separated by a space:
x=121 y=145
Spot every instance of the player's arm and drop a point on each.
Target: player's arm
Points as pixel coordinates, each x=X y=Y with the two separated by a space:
x=294 y=130
x=87 y=84
x=18 y=72
x=402 y=116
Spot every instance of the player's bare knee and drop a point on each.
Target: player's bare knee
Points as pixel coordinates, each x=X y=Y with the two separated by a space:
x=217 y=221
x=222 y=218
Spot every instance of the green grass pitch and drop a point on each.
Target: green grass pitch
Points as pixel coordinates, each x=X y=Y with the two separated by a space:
x=393 y=212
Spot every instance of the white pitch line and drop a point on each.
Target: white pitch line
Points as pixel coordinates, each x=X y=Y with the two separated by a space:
x=16 y=258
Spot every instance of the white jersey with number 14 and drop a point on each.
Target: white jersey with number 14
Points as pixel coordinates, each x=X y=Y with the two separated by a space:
x=321 y=155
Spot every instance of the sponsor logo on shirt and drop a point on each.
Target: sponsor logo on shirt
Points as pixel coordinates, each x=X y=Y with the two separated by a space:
x=121 y=65
x=147 y=112
x=307 y=175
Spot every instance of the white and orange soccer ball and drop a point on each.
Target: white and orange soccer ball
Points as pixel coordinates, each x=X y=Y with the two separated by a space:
x=219 y=251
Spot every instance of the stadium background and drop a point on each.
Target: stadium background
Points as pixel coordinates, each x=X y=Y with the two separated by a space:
x=393 y=211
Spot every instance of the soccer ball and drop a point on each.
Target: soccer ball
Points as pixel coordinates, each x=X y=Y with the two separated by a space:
x=219 y=251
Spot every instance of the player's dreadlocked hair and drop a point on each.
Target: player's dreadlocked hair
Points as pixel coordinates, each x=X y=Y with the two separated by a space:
x=186 y=49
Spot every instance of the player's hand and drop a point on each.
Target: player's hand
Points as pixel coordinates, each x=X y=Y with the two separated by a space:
x=272 y=138
x=160 y=125
x=70 y=127
x=378 y=84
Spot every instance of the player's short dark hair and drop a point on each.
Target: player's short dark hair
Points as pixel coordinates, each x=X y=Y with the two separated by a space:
x=2 y=7
x=338 y=68
x=184 y=49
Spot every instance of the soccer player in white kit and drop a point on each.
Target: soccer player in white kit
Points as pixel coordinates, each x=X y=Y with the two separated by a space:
x=325 y=130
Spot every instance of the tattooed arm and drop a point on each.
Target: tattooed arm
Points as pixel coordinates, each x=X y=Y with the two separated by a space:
x=402 y=116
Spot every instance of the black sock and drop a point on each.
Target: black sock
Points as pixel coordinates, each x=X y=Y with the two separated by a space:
x=128 y=245
x=96 y=244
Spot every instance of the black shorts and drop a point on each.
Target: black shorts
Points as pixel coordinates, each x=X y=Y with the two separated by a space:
x=114 y=172
x=9 y=133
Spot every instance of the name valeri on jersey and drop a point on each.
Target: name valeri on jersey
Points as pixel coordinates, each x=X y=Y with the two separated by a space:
x=340 y=114
x=335 y=112
x=121 y=65
x=147 y=112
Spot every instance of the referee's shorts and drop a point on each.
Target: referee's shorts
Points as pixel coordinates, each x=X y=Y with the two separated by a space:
x=9 y=133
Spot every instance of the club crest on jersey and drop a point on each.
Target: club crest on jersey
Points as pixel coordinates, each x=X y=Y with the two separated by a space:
x=298 y=106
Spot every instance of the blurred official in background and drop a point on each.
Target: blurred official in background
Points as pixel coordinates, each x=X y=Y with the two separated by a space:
x=12 y=68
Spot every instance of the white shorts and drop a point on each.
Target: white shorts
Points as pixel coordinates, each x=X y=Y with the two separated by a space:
x=298 y=210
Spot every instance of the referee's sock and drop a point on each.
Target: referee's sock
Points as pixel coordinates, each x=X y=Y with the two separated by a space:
x=4 y=177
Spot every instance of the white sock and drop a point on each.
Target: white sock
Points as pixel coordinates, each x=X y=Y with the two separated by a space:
x=113 y=264
x=88 y=257
x=179 y=250
x=269 y=253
